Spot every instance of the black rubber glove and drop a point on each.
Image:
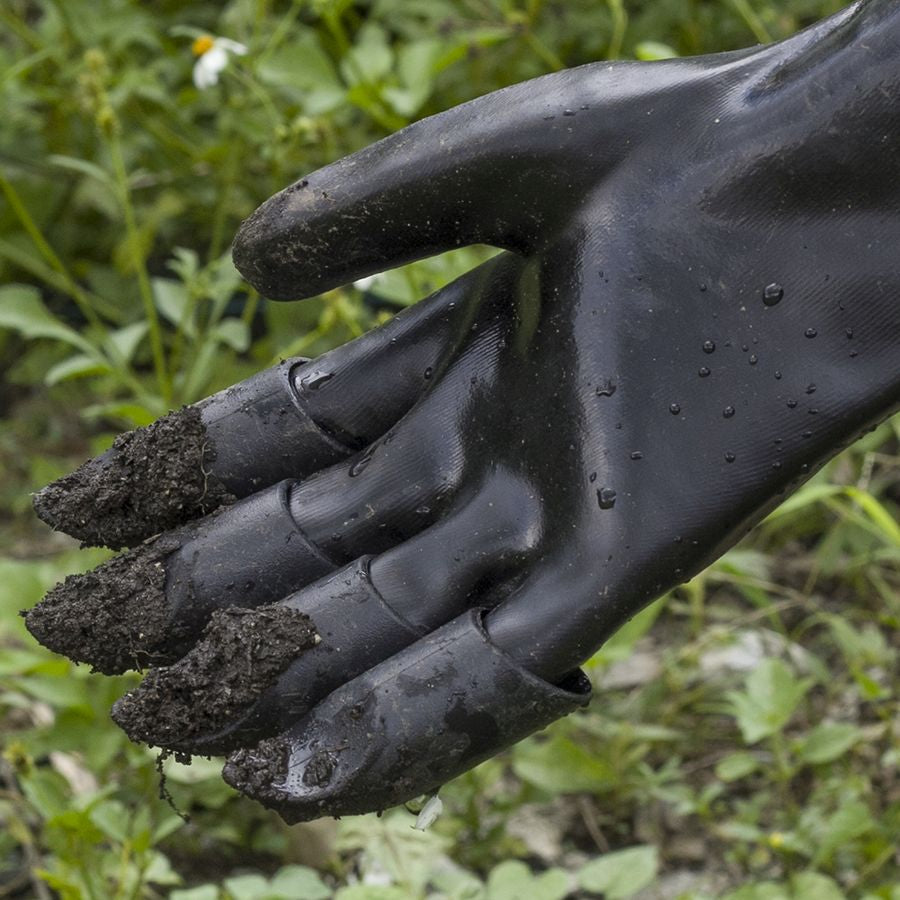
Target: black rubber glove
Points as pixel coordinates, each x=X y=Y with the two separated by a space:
x=699 y=306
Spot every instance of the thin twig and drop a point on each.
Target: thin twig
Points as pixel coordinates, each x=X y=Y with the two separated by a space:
x=589 y=817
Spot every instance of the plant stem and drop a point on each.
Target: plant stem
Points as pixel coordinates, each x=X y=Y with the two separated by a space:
x=40 y=242
x=249 y=310
x=140 y=265
x=282 y=29
x=544 y=52
x=228 y=182
x=15 y=24
x=58 y=276
x=56 y=280
x=752 y=20
x=784 y=772
x=265 y=100
x=297 y=347
x=620 y=23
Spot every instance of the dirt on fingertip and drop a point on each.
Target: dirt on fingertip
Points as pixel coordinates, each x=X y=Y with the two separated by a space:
x=257 y=771
x=241 y=654
x=152 y=479
x=115 y=617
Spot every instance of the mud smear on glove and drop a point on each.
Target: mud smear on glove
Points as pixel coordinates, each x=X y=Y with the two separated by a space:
x=115 y=617
x=241 y=654
x=257 y=771
x=151 y=480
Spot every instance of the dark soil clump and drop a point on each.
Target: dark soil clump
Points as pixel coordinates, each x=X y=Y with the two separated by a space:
x=241 y=654
x=257 y=771
x=115 y=617
x=151 y=480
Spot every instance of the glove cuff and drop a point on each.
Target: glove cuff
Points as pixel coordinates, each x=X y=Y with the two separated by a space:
x=261 y=433
x=418 y=719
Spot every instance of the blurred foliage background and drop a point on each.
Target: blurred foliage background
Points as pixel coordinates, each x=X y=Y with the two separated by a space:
x=745 y=737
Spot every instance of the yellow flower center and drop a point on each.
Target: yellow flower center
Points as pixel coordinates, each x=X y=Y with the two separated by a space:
x=202 y=44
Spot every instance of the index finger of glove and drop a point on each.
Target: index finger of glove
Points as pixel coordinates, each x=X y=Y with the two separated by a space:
x=489 y=171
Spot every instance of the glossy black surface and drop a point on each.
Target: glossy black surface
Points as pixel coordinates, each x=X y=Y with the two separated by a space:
x=702 y=309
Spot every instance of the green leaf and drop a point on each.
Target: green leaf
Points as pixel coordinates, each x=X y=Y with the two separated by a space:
x=771 y=695
x=416 y=64
x=406 y=101
x=620 y=874
x=185 y=263
x=166 y=827
x=83 y=167
x=203 y=892
x=113 y=819
x=233 y=332
x=828 y=741
x=299 y=65
x=47 y=792
x=736 y=765
x=134 y=413
x=455 y=883
x=652 y=50
x=160 y=870
x=560 y=766
x=371 y=892
x=299 y=883
x=739 y=831
x=815 y=886
x=126 y=340
x=852 y=820
x=17 y=662
x=79 y=366
x=247 y=887
x=173 y=301
x=880 y=516
x=196 y=771
x=860 y=647
x=65 y=887
x=621 y=644
x=513 y=879
x=22 y=310
x=63 y=693
x=321 y=100
x=762 y=890
x=370 y=59
x=746 y=562
x=406 y=855
x=808 y=495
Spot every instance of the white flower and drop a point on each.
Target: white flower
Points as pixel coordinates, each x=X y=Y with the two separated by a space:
x=212 y=57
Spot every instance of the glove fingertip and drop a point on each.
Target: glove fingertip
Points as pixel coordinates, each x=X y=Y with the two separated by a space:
x=184 y=707
x=114 y=617
x=152 y=479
